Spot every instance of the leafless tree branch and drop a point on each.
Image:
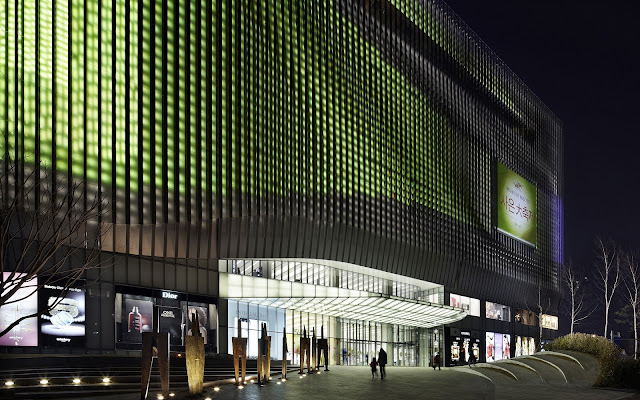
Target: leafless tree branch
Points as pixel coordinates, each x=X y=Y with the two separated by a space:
x=577 y=307
x=607 y=275
x=632 y=295
x=49 y=233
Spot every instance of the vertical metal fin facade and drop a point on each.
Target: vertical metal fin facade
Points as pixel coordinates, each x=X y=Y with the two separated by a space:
x=365 y=131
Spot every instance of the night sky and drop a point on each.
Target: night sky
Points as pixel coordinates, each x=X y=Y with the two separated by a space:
x=581 y=58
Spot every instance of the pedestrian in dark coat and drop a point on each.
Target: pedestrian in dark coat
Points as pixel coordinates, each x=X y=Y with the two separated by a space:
x=382 y=362
x=436 y=361
x=472 y=359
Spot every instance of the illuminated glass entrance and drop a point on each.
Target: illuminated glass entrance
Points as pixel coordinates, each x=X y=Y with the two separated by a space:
x=356 y=342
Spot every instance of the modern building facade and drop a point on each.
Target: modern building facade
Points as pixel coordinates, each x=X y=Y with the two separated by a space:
x=368 y=169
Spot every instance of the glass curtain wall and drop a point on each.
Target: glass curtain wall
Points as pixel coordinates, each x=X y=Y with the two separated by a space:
x=250 y=317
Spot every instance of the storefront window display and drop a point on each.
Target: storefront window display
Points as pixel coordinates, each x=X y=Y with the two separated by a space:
x=471 y=305
x=549 y=322
x=525 y=317
x=498 y=346
x=498 y=311
x=525 y=346
x=250 y=318
x=463 y=344
x=136 y=310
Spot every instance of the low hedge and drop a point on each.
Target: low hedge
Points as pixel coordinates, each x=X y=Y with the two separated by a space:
x=615 y=371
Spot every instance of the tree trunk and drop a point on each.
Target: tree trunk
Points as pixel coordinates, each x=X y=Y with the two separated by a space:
x=635 y=332
x=573 y=309
x=606 y=318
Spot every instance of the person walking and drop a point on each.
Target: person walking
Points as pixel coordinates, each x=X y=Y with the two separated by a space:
x=436 y=361
x=472 y=358
x=374 y=367
x=382 y=362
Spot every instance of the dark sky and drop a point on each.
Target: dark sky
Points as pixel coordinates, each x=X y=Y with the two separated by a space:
x=581 y=58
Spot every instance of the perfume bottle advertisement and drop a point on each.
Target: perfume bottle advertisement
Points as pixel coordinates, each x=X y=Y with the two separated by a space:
x=64 y=323
x=26 y=332
x=137 y=317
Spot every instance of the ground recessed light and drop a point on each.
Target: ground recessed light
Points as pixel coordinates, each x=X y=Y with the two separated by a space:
x=160 y=397
x=44 y=381
x=250 y=381
x=278 y=383
x=216 y=389
x=76 y=380
x=208 y=398
x=106 y=380
x=240 y=387
x=171 y=394
x=9 y=383
x=284 y=379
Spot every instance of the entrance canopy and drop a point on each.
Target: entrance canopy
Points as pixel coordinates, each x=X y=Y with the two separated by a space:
x=337 y=302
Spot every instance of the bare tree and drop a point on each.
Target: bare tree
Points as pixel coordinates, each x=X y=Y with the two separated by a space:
x=578 y=306
x=632 y=284
x=607 y=274
x=541 y=307
x=49 y=234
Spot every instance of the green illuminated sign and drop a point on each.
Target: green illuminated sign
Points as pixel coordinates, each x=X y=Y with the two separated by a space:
x=517 y=206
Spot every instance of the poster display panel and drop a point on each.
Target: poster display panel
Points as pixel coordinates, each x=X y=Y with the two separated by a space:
x=490 y=347
x=137 y=317
x=64 y=324
x=24 y=302
x=465 y=346
x=506 y=346
x=171 y=322
x=517 y=206
x=532 y=346
x=497 y=352
x=202 y=310
x=518 y=346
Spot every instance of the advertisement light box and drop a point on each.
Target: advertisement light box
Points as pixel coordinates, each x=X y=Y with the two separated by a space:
x=517 y=206
x=24 y=302
x=64 y=324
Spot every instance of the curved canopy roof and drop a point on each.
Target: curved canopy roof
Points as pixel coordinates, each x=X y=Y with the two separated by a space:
x=337 y=302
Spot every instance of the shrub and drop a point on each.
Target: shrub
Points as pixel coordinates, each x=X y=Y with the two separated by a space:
x=614 y=370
